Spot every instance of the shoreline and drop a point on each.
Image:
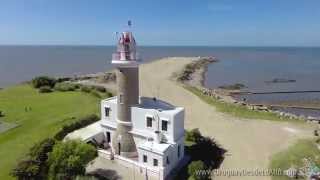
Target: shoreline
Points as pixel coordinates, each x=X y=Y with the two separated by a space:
x=197 y=79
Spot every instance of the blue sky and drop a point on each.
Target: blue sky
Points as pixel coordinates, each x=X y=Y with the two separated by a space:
x=162 y=22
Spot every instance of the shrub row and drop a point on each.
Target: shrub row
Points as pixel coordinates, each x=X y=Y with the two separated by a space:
x=45 y=89
x=34 y=166
x=75 y=125
x=41 y=81
x=64 y=86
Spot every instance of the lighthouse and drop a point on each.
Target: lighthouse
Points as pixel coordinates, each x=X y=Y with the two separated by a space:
x=127 y=71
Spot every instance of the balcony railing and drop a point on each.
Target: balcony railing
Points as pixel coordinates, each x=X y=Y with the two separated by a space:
x=125 y=56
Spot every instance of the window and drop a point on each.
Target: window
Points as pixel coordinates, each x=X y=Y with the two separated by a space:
x=168 y=162
x=178 y=150
x=164 y=126
x=107 y=111
x=145 y=158
x=121 y=98
x=155 y=162
x=149 y=121
x=108 y=137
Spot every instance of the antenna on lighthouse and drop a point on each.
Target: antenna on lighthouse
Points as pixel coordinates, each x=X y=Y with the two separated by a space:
x=129 y=23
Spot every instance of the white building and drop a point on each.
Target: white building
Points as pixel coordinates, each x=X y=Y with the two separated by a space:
x=141 y=132
x=157 y=128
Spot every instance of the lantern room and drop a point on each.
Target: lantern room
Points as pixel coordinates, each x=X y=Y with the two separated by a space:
x=126 y=50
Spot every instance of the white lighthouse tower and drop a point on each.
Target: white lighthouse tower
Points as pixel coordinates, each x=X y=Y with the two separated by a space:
x=126 y=61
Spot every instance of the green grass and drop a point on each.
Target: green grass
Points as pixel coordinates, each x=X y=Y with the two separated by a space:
x=49 y=112
x=294 y=155
x=236 y=110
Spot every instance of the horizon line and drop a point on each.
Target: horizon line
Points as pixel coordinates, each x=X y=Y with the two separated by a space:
x=148 y=45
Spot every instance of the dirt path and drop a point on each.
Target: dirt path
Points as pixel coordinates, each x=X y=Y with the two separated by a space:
x=250 y=143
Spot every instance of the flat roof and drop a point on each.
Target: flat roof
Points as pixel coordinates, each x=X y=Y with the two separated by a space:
x=149 y=103
x=152 y=146
x=86 y=133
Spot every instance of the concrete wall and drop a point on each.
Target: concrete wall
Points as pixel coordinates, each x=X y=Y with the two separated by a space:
x=178 y=125
x=112 y=114
x=171 y=153
x=175 y=122
x=150 y=156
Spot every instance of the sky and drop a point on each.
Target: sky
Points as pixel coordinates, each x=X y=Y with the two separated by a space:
x=161 y=22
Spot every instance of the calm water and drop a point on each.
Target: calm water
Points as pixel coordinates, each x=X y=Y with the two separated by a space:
x=254 y=66
x=21 y=63
x=250 y=66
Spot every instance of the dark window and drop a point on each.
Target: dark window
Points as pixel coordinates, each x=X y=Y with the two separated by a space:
x=149 y=121
x=168 y=162
x=120 y=98
x=178 y=150
x=107 y=111
x=164 y=126
x=155 y=162
x=108 y=137
x=145 y=158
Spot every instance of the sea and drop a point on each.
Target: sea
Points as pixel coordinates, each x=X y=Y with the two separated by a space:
x=254 y=67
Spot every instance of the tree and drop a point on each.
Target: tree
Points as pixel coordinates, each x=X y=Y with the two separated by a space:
x=26 y=169
x=197 y=171
x=68 y=159
x=193 y=135
x=40 y=81
x=34 y=166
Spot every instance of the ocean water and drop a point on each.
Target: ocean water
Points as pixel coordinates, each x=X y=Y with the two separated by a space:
x=255 y=67
x=21 y=63
x=250 y=66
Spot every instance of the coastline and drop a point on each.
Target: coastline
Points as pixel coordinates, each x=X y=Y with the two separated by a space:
x=197 y=79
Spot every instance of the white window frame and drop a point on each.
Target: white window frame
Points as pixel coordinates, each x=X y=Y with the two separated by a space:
x=168 y=122
x=146 y=158
x=157 y=162
x=146 y=121
x=105 y=115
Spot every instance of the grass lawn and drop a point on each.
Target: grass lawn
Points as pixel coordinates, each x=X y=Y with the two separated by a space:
x=49 y=111
x=236 y=110
x=294 y=155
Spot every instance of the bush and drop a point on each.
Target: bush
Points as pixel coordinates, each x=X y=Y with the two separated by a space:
x=100 y=89
x=1 y=114
x=86 y=89
x=40 y=81
x=34 y=165
x=194 y=135
x=45 y=89
x=68 y=159
x=26 y=169
x=197 y=171
x=75 y=125
x=95 y=93
x=66 y=87
x=63 y=79
x=109 y=94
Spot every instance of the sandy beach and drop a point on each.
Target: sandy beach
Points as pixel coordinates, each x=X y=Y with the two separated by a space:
x=250 y=143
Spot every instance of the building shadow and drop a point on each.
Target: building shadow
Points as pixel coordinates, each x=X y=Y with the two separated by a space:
x=205 y=149
x=105 y=174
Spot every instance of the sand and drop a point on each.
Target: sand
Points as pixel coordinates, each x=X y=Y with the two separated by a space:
x=250 y=143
